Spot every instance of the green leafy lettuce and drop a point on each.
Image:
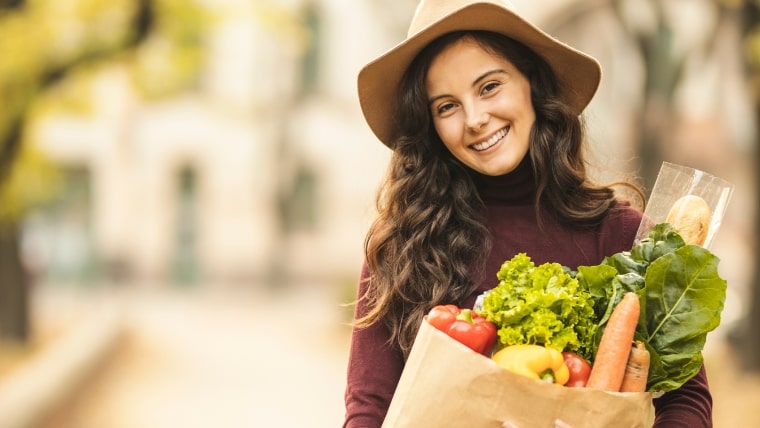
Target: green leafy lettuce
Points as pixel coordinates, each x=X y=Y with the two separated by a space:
x=541 y=304
x=681 y=296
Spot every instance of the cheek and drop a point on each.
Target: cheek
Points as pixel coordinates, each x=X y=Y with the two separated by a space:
x=446 y=130
x=523 y=114
x=530 y=112
x=530 y=121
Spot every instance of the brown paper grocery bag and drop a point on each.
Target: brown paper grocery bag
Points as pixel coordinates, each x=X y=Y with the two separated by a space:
x=445 y=384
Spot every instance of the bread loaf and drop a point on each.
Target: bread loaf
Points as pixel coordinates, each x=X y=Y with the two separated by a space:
x=690 y=217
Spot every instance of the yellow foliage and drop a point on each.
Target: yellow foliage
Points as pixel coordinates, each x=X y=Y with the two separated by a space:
x=752 y=49
x=45 y=35
x=170 y=59
x=32 y=181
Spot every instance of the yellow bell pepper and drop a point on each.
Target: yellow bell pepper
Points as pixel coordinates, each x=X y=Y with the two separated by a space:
x=535 y=362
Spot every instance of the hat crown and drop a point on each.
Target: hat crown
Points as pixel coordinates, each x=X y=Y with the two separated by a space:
x=430 y=11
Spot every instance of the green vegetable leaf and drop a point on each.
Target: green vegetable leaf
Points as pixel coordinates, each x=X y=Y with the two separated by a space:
x=607 y=288
x=683 y=300
x=541 y=304
x=661 y=240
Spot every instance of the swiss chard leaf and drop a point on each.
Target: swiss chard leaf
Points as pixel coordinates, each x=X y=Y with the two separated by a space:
x=661 y=240
x=624 y=262
x=658 y=377
x=681 y=303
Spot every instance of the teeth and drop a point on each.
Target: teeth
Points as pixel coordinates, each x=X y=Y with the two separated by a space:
x=491 y=141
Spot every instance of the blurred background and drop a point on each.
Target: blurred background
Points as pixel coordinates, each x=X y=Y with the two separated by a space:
x=185 y=186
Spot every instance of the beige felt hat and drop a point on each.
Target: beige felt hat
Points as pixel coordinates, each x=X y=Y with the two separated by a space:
x=578 y=74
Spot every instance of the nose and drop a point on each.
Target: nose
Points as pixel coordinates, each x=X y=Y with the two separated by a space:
x=475 y=118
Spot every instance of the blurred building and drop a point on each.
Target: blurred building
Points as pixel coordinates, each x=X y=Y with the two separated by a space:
x=266 y=171
x=263 y=172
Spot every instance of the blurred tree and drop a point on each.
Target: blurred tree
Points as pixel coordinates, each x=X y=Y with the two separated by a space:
x=665 y=55
x=663 y=71
x=159 y=41
x=10 y=4
x=747 y=338
x=650 y=27
x=64 y=36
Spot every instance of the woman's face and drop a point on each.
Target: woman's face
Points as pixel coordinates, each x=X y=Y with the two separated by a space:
x=481 y=107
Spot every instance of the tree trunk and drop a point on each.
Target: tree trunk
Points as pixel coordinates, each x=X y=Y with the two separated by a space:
x=749 y=346
x=14 y=283
x=745 y=338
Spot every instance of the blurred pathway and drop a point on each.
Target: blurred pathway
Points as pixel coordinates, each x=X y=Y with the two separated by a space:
x=237 y=359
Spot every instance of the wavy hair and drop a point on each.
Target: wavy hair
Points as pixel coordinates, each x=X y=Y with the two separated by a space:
x=424 y=247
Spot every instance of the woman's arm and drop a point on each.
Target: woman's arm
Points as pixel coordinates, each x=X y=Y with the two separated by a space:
x=374 y=369
x=689 y=406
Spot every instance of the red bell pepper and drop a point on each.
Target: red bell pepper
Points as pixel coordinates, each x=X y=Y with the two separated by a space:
x=465 y=326
x=580 y=369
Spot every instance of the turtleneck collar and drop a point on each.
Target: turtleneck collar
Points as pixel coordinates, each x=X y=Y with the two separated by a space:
x=515 y=188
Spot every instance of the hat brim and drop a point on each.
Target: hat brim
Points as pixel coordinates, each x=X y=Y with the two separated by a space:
x=578 y=74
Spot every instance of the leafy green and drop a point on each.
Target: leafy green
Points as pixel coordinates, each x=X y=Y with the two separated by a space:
x=682 y=302
x=680 y=292
x=681 y=296
x=541 y=304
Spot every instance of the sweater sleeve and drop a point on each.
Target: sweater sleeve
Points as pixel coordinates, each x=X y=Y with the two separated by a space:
x=689 y=406
x=619 y=228
x=374 y=369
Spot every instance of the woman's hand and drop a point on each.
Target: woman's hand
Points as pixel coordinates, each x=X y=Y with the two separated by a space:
x=557 y=424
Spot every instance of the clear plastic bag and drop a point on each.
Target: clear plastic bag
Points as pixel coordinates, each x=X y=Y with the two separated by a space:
x=676 y=184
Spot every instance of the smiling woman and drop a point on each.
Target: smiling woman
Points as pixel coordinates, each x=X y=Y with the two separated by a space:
x=482 y=110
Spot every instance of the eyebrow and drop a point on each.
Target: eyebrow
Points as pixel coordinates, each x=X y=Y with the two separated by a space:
x=474 y=82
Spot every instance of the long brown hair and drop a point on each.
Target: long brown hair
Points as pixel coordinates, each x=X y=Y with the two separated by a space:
x=423 y=248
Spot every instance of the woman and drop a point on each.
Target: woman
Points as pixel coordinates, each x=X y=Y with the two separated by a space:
x=482 y=112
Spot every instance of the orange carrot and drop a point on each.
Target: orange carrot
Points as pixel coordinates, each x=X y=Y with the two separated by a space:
x=637 y=369
x=615 y=345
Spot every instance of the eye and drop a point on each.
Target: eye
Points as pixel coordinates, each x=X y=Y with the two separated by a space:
x=490 y=87
x=443 y=108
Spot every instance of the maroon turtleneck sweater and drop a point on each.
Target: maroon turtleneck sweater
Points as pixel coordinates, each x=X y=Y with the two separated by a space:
x=374 y=367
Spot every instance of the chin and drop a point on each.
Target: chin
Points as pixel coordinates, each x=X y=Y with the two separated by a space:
x=495 y=172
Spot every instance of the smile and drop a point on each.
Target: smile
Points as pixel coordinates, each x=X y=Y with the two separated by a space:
x=485 y=145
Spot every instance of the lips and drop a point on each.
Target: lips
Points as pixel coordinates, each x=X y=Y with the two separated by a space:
x=495 y=138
